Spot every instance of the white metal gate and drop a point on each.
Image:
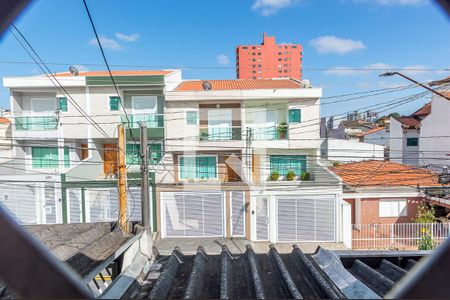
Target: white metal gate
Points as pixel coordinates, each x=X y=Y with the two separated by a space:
x=192 y=214
x=237 y=214
x=21 y=202
x=308 y=219
x=262 y=219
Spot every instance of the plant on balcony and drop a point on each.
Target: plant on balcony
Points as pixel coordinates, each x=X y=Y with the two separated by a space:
x=290 y=175
x=305 y=176
x=274 y=176
x=282 y=130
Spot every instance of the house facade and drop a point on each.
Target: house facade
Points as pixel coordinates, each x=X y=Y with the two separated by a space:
x=254 y=144
x=422 y=137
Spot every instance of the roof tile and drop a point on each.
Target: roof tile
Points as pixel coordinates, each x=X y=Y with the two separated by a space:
x=239 y=84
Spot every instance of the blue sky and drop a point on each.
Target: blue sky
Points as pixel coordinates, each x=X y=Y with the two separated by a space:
x=363 y=34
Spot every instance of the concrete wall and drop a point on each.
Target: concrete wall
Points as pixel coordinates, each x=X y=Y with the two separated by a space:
x=380 y=137
x=395 y=141
x=434 y=143
x=349 y=150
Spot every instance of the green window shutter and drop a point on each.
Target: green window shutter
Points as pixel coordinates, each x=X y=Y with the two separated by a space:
x=44 y=157
x=191 y=118
x=295 y=116
x=63 y=104
x=66 y=157
x=133 y=156
x=412 y=142
x=114 y=103
x=206 y=167
x=155 y=153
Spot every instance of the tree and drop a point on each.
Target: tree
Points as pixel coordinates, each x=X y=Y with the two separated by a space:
x=425 y=214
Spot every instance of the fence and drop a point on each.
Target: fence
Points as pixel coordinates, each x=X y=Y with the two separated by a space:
x=398 y=235
x=42 y=203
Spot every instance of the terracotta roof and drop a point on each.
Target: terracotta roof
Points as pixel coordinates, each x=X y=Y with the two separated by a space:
x=384 y=173
x=424 y=110
x=118 y=73
x=370 y=131
x=441 y=81
x=5 y=120
x=409 y=122
x=239 y=84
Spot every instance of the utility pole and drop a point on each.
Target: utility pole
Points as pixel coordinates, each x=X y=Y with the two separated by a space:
x=122 y=179
x=145 y=197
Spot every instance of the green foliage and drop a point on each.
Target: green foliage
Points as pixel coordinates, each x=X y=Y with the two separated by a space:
x=335 y=163
x=305 y=176
x=290 y=175
x=394 y=114
x=274 y=176
x=282 y=128
x=425 y=214
x=426 y=241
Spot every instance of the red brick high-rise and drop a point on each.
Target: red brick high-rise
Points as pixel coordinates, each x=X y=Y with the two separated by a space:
x=269 y=60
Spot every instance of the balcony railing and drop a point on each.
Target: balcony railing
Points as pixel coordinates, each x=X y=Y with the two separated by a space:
x=151 y=120
x=220 y=133
x=269 y=133
x=36 y=123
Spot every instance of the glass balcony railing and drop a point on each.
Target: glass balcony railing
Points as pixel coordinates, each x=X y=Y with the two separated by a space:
x=36 y=123
x=151 y=120
x=221 y=133
x=269 y=133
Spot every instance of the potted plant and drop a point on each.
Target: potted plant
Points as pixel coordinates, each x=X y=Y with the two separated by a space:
x=290 y=175
x=274 y=176
x=282 y=130
x=305 y=176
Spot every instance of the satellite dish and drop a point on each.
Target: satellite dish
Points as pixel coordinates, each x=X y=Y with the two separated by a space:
x=305 y=83
x=74 y=71
x=206 y=85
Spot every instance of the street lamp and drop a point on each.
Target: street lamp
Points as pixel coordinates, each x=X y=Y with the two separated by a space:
x=389 y=73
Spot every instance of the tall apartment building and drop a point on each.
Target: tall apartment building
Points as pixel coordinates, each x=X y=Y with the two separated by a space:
x=269 y=60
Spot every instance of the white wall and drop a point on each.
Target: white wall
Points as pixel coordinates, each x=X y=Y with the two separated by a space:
x=380 y=137
x=349 y=150
x=395 y=141
x=434 y=143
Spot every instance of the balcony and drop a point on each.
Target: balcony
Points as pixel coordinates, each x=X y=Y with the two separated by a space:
x=269 y=132
x=154 y=122
x=36 y=123
x=221 y=133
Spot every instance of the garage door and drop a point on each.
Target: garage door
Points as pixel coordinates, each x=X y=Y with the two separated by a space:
x=192 y=214
x=306 y=219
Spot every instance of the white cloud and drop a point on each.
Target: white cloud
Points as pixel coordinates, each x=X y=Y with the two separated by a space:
x=332 y=44
x=352 y=71
x=107 y=43
x=223 y=59
x=271 y=7
x=128 y=38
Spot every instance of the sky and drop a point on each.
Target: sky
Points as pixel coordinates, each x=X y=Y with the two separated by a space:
x=201 y=35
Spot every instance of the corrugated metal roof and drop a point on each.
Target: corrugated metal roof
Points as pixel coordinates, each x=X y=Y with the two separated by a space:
x=296 y=275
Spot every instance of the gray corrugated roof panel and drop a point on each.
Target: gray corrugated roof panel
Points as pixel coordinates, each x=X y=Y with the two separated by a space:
x=273 y=275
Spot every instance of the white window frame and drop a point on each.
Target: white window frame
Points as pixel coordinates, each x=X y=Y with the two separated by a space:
x=391 y=214
x=55 y=106
x=197 y=121
x=201 y=155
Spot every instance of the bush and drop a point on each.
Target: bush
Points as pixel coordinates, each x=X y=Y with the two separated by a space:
x=426 y=241
x=274 y=176
x=305 y=176
x=425 y=214
x=335 y=163
x=290 y=175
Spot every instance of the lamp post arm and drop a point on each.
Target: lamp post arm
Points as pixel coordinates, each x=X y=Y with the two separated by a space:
x=422 y=85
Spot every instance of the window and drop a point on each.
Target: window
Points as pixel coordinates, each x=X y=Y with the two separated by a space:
x=84 y=151
x=284 y=163
x=245 y=48
x=295 y=116
x=62 y=104
x=66 y=157
x=191 y=118
x=294 y=47
x=44 y=157
x=412 y=142
x=43 y=105
x=133 y=153
x=198 y=167
x=114 y=103
x=392 y=208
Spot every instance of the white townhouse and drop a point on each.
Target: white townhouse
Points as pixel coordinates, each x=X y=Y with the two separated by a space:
x=55 y=142
x=245 y=163
x=423 y=138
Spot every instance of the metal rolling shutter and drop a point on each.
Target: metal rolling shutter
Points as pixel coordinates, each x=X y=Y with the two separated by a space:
x=262 y=219
x=237 y=214
x=20 y=201
x=192 y=214
x=75 y=211
x=306 y=219
x=50 y=204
